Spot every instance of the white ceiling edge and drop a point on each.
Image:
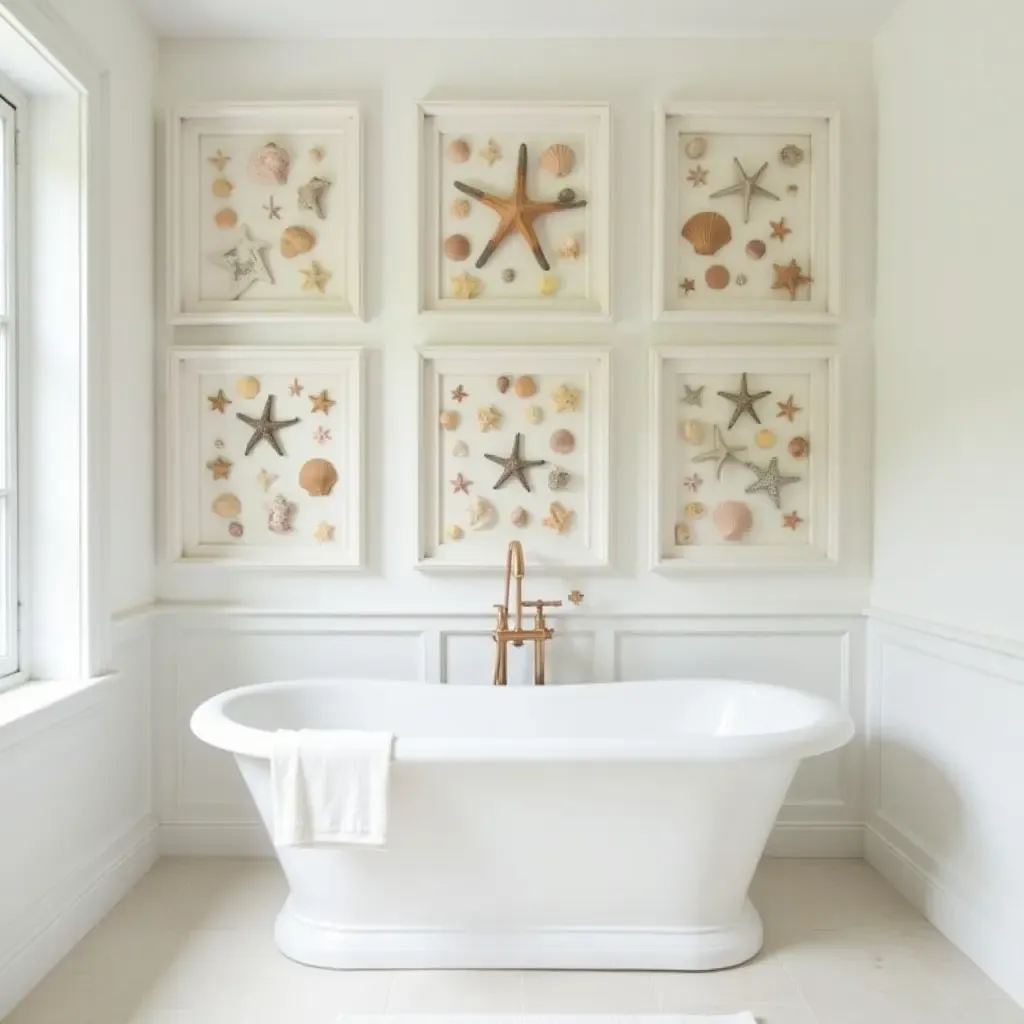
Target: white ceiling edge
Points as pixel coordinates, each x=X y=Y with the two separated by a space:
x=321 y=20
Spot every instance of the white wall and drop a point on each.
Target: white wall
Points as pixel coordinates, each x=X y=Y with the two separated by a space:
x=802 y=629
x=946 y=693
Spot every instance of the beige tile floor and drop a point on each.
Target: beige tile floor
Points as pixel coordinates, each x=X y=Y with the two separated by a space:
x=191 y=944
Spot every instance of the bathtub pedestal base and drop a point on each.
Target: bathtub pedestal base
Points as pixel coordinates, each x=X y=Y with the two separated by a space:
x=660 y=949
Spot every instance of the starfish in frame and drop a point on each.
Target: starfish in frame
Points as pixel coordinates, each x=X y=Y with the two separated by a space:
x=791 y=521
x=515 y=465
x=789 y=409
x=790 y=276
x=770 y=480
x=266 y=427
x=516 y=213
x=720 y=454
x=748 y=187
x=744 y=402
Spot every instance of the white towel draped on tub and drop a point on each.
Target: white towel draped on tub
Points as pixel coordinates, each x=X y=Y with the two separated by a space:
x=330 y=786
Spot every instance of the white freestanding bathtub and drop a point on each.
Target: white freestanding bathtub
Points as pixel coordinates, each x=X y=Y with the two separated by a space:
x=605 y=826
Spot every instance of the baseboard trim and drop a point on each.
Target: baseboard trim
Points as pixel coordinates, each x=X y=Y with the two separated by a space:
x=999 y=952
x=82 y=902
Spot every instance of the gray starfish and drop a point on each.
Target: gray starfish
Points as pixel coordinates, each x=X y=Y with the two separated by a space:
x=515 y=465
x=266 y=427
x=721 y=453
x=748 y=188
x=311 y=196
x=244 y=260
x=770 y=480
x=744 y=402
x=273 y=210
x=693 y=396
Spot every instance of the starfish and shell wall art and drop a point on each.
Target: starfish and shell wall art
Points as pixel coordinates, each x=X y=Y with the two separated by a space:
x=517 y=442
x=265 y=213
x=743 y=457
x=515 y=210
x=746 y=230
x=267 y=456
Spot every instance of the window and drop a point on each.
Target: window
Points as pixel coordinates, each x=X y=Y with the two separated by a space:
x=9 y=548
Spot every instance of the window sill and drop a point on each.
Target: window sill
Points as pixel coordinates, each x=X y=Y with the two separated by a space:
x=30 y=707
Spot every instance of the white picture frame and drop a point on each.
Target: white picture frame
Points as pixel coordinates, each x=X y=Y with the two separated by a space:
x=323 y=140
x=814 y=542
x=584 y=282
x=197 y=435
x=814 y=206
x=443 y=368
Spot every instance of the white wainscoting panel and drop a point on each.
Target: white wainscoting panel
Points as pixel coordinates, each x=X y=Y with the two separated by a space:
x=944 y=767
x=204 y=807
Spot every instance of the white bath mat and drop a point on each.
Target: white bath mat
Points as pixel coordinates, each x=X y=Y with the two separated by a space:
x=544 y=1018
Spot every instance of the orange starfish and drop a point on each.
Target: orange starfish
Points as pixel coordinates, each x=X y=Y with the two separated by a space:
x=779 y=229
x=516 y=213
x=788 y=408
x=790 y=276
x=792 y=520
x=218 y=401
x=688 y=285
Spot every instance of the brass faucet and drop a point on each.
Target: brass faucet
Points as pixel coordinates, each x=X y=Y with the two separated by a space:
x=515 y=569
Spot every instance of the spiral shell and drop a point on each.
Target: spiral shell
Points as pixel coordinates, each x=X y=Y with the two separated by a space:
x=563 y=441
x=707 y=232
x=558 y=159
x=296 y=240
x=717 y=277
x=226 y=505
x=236 y=529
x=567 y=195
x=503 y=384
x=456 y=247
x=318 y=477
x=458 y=151
x=271 y=164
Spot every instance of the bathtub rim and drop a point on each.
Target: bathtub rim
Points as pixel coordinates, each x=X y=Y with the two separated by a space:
x=833 y=729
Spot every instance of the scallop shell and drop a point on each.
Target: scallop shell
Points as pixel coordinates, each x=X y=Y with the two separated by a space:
x=455 y=532
x=226 y=218
x=799 y=447
x=558 y=479
x=456 y=247
x=227 y=505
x=222 y=188
x=732 y=519
x=558 y=159
x=535 y=414
x=318 y=477
x=707 y=232
x=791 y=156
x=682 y=534
x=765 y=438
x=247 y=387
x=756 y=248
x=717 y=277
x=449 y=419
x=458 y=151
x=460 y=208
x=526 y=387
x=519 y=517
x=563 y=441
x=271 y=164
x=460 y=449
x=696 y=147
x=296 y=240
x=694 y=431
x=504 y=383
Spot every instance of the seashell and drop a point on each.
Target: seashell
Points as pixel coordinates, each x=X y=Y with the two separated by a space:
x=741 y=279
x=567 y=195
x=222 y=188
x=236 y=529
x=792 y=189
x=316 y=154
x=765 y=438
x=265 y=479
x=694 y=510
x=455 y=532
x=558 y=160
x=535 y=414
x=458 y=151
x=696 y=147
x=570 y=250
x=270 y=164
x=456 y=247
x=247 y=387
x=791 y=156
x=296 y=240
x=311 y=196
x=504 y=383
x=717 y=277
x=279 y=518
x=226 y=218
x=508 y=275
x=490 y=152
x=481 y=514
x=449 y=419
x=707 y=232
x=460 y=208
x=488 y=418
x=694 y=431
x=563 y=441
x=682 y=534
x=519 y=517
x=732 y=519
x=460 y=449
x=558 y=479
x=756 y=248
x=548 y=285
x=318 y=477
x=799 y=447
x=226 y=505
x=526 y=387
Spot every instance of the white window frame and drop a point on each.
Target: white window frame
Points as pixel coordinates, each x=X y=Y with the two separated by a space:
x=12 y=548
